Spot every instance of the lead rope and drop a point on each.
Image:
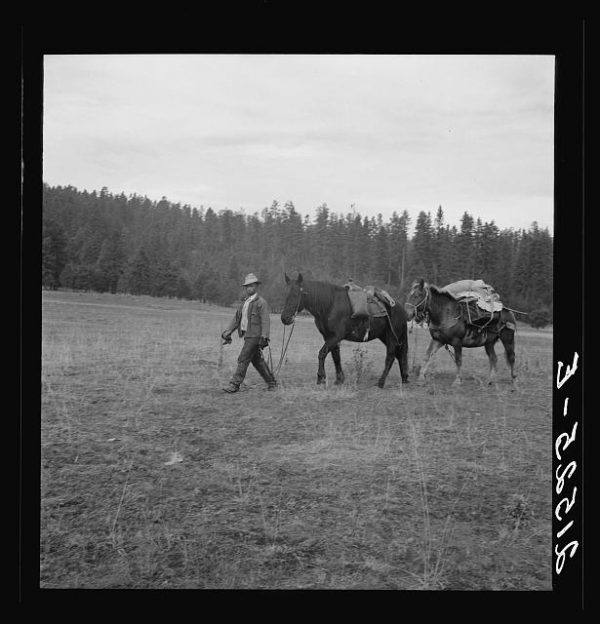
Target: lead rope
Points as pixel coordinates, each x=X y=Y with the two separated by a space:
x=412 y=327
x=284 y=348
x=425 y=319
x=391 y=326
x=284 y=344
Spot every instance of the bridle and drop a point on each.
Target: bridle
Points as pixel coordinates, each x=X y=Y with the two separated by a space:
x=420 y=315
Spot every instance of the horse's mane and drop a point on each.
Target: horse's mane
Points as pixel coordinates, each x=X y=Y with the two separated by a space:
x=441 y=291
x=320 y=295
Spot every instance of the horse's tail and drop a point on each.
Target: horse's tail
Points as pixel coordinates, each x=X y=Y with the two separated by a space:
x=507 y=319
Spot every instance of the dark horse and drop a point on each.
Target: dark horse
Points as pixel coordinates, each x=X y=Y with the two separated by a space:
x=330 y=306
x=447 y=327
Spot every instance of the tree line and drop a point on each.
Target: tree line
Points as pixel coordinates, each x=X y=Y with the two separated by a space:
x=114 y=243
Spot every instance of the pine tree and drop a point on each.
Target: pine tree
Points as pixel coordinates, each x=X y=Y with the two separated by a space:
x=382 y=266
x=138 y=274
x=110 y=264
x=502 y=271
x=522 y=285
x=292 y=237
x=94 y=240
x=540 y=266
x=164 y=277
x=398 y=227
x=466 y=248
x=422 y=248
x=439 y=249
x=488 y=252
x=355 y=238
x=54 y=254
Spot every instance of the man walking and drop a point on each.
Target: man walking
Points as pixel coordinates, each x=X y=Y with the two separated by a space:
x=253 y=323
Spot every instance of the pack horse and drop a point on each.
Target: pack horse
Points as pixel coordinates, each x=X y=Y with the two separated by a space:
x=334 y=317
x=455 y=320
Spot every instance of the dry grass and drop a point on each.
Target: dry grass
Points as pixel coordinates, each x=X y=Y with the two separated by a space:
x=152 y=477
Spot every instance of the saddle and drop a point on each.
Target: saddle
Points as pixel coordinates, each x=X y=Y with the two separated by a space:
x=480 y=303
x=368 y=302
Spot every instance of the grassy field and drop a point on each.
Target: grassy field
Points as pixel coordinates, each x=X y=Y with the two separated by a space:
x=152 y=477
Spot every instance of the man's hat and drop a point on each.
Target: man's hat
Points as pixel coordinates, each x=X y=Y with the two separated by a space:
x=250 y=279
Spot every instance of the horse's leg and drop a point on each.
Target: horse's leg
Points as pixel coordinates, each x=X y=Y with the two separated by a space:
x=339 y=373
x=508 y=340
x=323 y=351
x=390 y=355
x=402 y=356
x=432 y=349
x=458 y=362
x=331 y=344
x=493 y=358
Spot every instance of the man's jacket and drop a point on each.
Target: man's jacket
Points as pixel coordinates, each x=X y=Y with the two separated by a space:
x=259 y=322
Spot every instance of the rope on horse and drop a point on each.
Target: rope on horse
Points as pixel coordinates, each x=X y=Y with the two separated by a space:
x=415 y=341
x=517 y=311
x=284 y=348
x=391 y=326
x=284 y=345
x=450 y=353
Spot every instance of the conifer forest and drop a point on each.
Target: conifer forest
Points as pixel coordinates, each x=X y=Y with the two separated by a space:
x=105 y=242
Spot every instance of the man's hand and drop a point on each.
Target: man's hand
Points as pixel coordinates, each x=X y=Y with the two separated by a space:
x=263 y=342
x=226 y=337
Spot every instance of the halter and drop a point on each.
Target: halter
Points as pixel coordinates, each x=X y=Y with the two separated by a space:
x=298 y=305
x=423 y=301
x=284 y=344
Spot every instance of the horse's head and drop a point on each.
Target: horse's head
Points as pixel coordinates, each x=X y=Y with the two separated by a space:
x=416 y=302
x=293 y=299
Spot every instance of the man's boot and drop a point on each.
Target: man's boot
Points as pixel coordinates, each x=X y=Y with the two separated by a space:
x=231 y=388
x=266 y=374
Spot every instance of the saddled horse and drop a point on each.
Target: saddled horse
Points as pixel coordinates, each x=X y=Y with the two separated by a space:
x=447 y=327
x=331 y=308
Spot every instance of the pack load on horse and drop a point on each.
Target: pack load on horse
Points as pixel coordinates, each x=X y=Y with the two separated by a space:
x=468 y=313
x=367 y=314
x=480 y=303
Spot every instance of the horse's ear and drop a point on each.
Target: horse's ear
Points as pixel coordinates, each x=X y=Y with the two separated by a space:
x=421 y=283
x=300 y=279
x=287 y=279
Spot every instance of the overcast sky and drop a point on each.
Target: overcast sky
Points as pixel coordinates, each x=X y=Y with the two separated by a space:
x=385 y=133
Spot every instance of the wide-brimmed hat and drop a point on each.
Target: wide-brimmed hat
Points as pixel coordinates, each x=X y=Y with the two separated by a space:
x=250 y=279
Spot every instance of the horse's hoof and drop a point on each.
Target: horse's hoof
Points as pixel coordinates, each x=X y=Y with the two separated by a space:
x=405 y=381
